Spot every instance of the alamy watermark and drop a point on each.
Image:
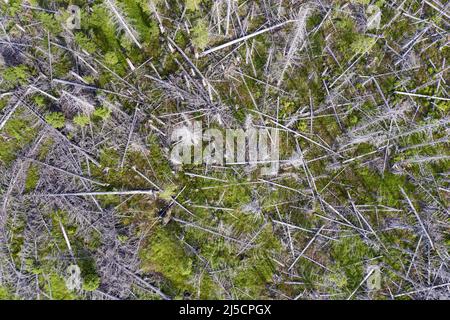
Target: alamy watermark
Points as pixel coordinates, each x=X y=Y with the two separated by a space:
x=73 y=280
x=73 y=22
x=191 y=144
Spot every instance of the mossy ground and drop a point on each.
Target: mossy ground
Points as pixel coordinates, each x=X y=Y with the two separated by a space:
x=231 y=234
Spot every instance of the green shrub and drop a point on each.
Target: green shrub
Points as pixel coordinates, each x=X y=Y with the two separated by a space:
x=16 y=75
x=55 y=119
x=81 y=120
x=102 y=113
x=91 y=282
x=111 y=58
x=200 y=34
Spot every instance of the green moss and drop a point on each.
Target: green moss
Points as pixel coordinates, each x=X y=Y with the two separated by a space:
x=168 y=192
x=338 y=280
x=362 y=44
x=253 y=276
x=46 y=145
x=387 y=187
x=346 y=36
x=49 y=21
x=85 y=42
x=444 y=106
x=111 y=58
x=55 y=286
x=81 y=120
x=208 y=288
x=6 y=294
x=248 y=273
x=14 y=76
x=217 y=252
x=16 y=245
x=102 y=113
x=32 y=178
x=145 y=25
x=348 y=255
x=17 y=133
x=165 y=254
x=55 y=119
x=200 y=34
x=103 y=30
x=91 y=280
x=11 y=7
x=192 y=5
x=39 y=100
